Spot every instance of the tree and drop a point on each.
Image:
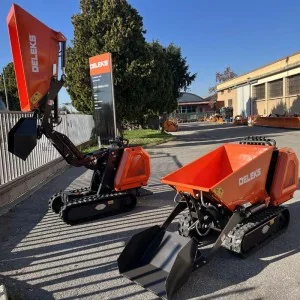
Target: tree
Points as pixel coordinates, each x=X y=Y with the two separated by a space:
x=11 y=87
x=220 y=78
x=147 y=77
x=106 y=26
x=182 y=78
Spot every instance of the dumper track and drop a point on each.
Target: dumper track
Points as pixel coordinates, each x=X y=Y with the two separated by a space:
x=56 y=201
x=256 y=230
x=92 y=206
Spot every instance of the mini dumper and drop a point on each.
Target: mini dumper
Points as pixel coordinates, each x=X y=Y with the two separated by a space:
x=119 y=171
x=236 y=190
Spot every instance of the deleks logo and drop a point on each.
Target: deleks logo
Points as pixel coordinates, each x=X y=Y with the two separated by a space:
x=99 y=64
x=33 y=53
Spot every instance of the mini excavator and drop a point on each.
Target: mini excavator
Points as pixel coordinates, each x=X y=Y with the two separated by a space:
x=119 y=171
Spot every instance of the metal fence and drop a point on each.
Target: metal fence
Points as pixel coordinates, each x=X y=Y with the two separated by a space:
x=79 y=128
x=190 y=117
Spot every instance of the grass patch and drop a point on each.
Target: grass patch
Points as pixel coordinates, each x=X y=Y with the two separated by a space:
x=140 y=137
x=145 y=137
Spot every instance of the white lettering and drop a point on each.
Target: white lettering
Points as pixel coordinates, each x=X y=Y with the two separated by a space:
x=99 y=64
x=249 y=177
x=34 y=54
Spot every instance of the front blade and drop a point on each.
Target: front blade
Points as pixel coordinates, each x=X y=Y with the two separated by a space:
x=158 y=260
x=22 y=138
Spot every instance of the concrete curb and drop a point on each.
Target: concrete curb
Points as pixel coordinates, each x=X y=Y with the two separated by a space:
x=17 y=190
x=3 y=293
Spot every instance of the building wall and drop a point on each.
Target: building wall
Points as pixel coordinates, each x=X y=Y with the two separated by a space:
x=280 y=104
x=273 y=67
x=226 y=96
x=277 y=76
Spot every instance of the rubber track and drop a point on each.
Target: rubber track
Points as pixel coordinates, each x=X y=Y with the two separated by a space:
x=81 y=190
x=86 y=200
x=233 y=241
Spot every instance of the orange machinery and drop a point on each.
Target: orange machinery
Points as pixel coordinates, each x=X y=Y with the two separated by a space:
x=240 y=120
x=236 y=191
x=119 y=170
x=289 y=122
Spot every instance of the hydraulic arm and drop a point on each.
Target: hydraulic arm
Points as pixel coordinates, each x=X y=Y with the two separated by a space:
x=118 y=169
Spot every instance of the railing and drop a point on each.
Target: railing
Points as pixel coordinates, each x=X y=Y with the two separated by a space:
x=190 y=117
x=79 y=128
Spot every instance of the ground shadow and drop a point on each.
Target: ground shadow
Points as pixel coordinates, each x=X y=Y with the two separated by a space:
x=218 y=134
x=21 y=219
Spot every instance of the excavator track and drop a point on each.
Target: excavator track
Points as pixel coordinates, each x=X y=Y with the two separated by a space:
x=92 y=206
x=55 y=203
x=257 y=230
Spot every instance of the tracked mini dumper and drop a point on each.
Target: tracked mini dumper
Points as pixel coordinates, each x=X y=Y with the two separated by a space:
x=119 y=171
x=236 y=190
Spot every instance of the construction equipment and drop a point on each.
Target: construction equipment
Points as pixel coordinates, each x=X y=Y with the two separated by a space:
x=277 y=121
x=236 y=190
x=240 y=120
x=226 y=113
x=170 y=125
x=118 y=170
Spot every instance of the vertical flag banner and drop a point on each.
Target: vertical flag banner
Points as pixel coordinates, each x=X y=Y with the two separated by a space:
x=103 y=94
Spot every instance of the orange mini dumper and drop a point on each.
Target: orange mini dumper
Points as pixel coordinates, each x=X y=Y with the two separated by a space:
x=237 y=190
x=119 y=171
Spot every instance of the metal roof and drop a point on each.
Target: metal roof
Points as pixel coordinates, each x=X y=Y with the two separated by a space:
x=189 y=98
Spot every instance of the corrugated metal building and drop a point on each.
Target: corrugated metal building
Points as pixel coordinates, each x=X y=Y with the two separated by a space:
x=270 y=89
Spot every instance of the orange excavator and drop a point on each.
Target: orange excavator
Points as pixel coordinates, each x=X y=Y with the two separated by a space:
x=118 y=170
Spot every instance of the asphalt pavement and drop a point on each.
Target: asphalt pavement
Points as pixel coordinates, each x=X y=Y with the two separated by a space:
x=43 y=258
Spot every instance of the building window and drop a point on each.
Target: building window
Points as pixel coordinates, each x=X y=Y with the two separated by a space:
x=276 y=88
x=230 y=102
x=293 y=85
x=259 y=92
x=187 y=109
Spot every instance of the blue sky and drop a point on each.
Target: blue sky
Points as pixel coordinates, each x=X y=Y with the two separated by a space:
x=211 y=34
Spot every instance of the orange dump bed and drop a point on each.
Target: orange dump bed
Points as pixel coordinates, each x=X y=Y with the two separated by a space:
x=232 y=174
x=35 y=49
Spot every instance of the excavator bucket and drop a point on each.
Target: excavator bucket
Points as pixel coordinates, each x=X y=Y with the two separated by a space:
x=22 y=138
x=158 y=260
x=35 y=50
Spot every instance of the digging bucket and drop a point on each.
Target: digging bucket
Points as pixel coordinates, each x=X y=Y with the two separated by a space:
x=158 y=260
x=22 y=138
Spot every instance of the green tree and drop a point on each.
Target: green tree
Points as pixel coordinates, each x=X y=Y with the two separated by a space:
x=11 y=87
x=106 y=26
x=148 y=78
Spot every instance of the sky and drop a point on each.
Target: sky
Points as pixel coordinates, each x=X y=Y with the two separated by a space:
x=211 y=34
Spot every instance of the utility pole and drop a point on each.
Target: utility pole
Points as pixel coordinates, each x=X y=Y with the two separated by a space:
x=4 y=83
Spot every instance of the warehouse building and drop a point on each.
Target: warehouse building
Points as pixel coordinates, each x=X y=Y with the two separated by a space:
x=270 y=89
